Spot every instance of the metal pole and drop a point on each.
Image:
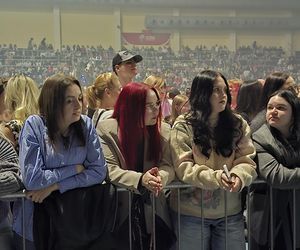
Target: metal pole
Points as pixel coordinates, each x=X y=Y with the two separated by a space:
x=202 y=221
x=248 y=218
x=226 y=222
x=271 y=219
x=294 y=219
x=129 y=220
x=178 y=217
x=153 y=221
x=23 y=223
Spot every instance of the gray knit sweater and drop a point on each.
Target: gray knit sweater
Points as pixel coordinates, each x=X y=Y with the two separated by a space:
x=10 y=180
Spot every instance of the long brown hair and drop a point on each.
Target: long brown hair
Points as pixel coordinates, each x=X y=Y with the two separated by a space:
x=51 y=105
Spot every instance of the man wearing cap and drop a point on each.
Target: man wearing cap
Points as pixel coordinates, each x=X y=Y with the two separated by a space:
x=124 y=65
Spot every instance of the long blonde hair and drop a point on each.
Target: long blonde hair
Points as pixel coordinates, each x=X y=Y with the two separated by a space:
x=178 y=102
x=156 y=82
x=21 y=97
x=94 y=92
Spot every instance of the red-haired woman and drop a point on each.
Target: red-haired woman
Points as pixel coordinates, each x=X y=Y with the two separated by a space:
x=136 y=148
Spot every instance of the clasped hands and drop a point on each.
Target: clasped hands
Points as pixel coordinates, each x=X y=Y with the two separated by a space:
x=233 y=184
x=152 y=181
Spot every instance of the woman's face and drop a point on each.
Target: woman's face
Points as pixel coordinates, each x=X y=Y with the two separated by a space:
x=115 y=92
x=279 y=114
x=152 y=108
x=290 y=82
x=218 y=99
x=162 y=92
x=72 y=106
x=184 y=108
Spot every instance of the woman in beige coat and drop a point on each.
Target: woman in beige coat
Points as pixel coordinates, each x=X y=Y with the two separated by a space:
x=136 y=148
x=204 y=140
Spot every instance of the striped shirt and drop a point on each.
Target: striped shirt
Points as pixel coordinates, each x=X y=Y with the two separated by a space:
x=10 y=180
x=7 y=152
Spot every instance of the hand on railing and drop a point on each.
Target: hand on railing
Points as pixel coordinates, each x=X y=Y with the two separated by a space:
x=152 y=180
x=40 y=195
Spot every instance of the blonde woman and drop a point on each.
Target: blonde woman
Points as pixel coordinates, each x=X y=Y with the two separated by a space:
x=159 y=83
x=3 y=110
x=102 y=95
x=180 y=105
x=21 y=100
x=10 y=180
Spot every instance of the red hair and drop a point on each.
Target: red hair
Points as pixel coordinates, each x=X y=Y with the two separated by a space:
x=129 y=111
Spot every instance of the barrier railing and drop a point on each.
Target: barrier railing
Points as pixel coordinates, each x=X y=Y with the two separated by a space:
x=12 y=197
x=177 y=186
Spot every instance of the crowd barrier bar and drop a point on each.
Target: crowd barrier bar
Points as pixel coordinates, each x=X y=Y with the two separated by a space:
x=179 y=185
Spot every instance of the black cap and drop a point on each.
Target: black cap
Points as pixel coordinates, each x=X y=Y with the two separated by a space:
x=123 y=56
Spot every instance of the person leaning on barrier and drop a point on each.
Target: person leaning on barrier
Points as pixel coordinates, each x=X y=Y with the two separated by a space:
x=209 y=136
x=59 y=150
x=21 y=100
x=10 y=182
x=278 y=162
x=136 y=149
x=273 y=83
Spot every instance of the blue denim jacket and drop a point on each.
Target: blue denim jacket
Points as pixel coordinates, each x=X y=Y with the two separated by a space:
x=42 y=166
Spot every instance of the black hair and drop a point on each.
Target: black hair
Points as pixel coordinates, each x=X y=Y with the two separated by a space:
x=273 y=82
x=51 y=104
x=247 y=99
x=227 y=132
x=289 y=146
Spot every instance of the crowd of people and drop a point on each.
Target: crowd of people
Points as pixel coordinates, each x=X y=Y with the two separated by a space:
x=63 y=143
x=86 y=62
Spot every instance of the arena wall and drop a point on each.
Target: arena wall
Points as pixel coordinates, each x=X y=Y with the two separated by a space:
x=104 y=28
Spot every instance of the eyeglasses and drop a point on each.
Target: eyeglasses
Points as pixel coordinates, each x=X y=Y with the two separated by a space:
x=153 y=106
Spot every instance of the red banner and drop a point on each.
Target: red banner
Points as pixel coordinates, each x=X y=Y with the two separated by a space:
x=146 y=38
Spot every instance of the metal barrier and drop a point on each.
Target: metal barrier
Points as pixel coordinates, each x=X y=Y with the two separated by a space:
x=13 y=197
x=177 y=186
